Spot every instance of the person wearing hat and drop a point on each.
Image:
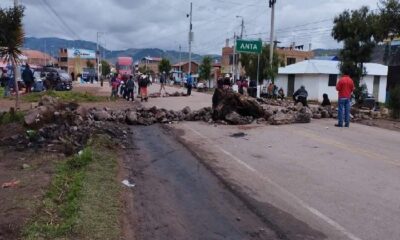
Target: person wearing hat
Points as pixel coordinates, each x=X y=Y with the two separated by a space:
x=144 y=82
x=227 y=81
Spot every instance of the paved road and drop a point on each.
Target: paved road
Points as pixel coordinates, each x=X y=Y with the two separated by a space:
x=311 y=181
x=341 y=182
x=177 y=198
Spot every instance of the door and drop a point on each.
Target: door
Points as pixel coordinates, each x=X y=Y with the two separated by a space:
x=375 y=91
x=290 y=91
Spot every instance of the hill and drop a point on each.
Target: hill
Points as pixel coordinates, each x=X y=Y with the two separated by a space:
x=52 y=46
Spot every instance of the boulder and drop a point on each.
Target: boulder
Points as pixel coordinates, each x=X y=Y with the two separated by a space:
x=82 y=111
x=160 y=115
x=317 y=116
x=39 y=116
x=101 y=115
x=48 y=101
x=303 y=116
x=236 y=119
x=229 y=102
x=299 y=106
x=132 y=118
x=282 y=118
x=186 y=110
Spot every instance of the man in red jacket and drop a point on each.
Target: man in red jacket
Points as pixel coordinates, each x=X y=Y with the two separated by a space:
x=345 y=88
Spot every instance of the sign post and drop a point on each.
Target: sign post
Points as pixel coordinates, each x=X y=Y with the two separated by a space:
x=250 y=46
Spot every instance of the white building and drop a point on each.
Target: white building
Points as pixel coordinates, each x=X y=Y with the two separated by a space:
x=321 y=76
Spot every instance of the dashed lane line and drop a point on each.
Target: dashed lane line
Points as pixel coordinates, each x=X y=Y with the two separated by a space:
x=300 y=202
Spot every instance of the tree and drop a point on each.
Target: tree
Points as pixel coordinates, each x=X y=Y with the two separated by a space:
x=205 y=69
x=11 y=40
x=105 y=68
x=250 y=62
x=389 y=13
x=359 y=32
x=164 y=66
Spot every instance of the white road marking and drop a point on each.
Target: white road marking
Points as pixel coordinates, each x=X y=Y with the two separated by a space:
x=300 y=202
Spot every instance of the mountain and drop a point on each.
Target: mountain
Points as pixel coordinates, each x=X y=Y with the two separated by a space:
x=52 y=46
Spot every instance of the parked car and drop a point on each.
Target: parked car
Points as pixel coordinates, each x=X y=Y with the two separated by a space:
x=56 y=79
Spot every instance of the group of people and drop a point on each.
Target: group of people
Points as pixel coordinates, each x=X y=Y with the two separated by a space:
x=7 y=80
x=345 y=88
x=125 y=87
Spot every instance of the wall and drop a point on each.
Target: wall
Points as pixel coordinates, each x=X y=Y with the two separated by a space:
x=369 y=81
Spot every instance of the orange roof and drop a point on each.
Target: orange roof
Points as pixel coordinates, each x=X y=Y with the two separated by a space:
x=30 y=54
x=183 y=63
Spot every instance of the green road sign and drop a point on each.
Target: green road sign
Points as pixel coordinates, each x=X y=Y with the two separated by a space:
x=248 y=46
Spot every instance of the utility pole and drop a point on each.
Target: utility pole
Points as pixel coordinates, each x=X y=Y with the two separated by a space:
x=190 y=37
x=180 y=61
x=98 y=56
x=271 y=39
x=242 y=27
x=234 y=58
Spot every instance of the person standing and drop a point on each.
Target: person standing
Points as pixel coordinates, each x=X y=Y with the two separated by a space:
x=189 y=84
x=345 y=88
x=301 y=95
x=114 y=88
x=27 y=77
x=130 y=87
x=144 y=82
x=8 y=84
x=163 y=81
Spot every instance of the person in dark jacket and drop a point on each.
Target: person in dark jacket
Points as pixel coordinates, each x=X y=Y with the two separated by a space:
x=27 y=77
x=144 y=82
x=130 y=87
x=325 y=101
x=301 y=96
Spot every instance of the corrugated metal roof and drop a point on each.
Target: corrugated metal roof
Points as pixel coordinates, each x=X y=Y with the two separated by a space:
x=329 y=67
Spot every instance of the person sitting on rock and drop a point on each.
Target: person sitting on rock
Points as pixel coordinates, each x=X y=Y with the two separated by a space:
x=281 y=93
x=325 y=101
x=227 y=82
x=301 y=96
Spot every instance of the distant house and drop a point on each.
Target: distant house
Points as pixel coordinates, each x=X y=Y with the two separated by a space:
x=321 y=76
x=150 y=63
x=184 y=67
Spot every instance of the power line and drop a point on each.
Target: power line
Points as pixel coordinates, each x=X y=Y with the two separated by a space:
x=74 y=34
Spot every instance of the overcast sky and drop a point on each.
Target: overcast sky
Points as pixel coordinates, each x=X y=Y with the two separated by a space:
x=163 y=24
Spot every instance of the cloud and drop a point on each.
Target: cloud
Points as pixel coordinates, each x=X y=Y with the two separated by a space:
x=163 y=24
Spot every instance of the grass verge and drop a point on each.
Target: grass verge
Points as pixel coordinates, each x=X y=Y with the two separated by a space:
x=83 y=201
x=11 y=117
x=69 y=96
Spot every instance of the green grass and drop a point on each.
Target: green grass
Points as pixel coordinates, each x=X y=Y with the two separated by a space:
x=11 y=117
x=1 y=92
x=64 y=96
x=83 y=199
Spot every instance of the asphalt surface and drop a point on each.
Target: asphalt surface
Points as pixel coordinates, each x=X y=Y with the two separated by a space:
x=341 y=182
x=176 y=197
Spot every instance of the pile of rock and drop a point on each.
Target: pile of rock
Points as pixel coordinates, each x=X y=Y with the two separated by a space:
x=175 y=94
x=63 y=127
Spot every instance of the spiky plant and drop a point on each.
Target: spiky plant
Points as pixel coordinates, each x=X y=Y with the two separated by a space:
x=12 y=39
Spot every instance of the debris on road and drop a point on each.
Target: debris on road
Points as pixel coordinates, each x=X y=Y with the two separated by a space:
x=11 y=184
x=238 y=135
x=128 y=184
